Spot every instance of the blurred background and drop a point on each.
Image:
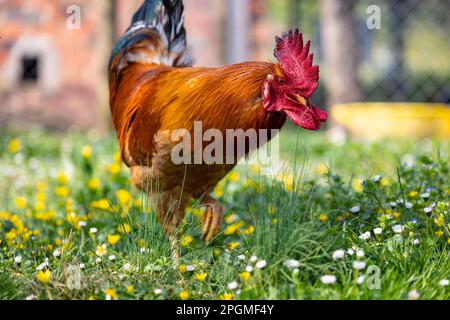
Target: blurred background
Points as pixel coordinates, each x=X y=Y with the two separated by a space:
x=53 y=70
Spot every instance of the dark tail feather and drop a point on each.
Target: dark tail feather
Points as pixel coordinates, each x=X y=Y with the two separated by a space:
x=157 y=34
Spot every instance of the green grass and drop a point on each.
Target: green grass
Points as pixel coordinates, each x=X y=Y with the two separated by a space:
x=51 y=197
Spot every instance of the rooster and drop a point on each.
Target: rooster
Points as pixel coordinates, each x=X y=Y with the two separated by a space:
x=154 y=90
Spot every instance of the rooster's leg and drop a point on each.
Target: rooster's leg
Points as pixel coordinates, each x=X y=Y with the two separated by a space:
x=212 y=219
x=170 y=209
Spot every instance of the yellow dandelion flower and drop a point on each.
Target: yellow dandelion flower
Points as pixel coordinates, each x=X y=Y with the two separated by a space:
x=62 y=177
x=45 y=216
x=117 y=157
x=396 y=215
x=102 y=204
x=182 y=268
x=201 y=276
x=413 y=194
x=184 y=295
x=5 y=215
x=111 y=294
x=11 y=236
x=62 y=191
x=124 y=228
x=94 y=183
x=218 y=191
x=229 y=219
x=245 y=275
x=114 y=168
x=130 y=289
x=274 y=221
x=255 y=169
x=226 y=296
x=21 y=202
x=186 y=240
x=86 y=152
x=357 y=185
x=41 y=196
x=439 y=221
x=234 y=176
x=101 y=250
x=321 y=169
x=230 y=230
x=41 y=186
x=323 y=217
x=124 y=197
x=198 y=212
x=233 y=245
x=14 y=146
x=250 y=230
x=439 y=233
x=384 y=182
x=113 y=239
x=141 y=243
x=44 y=276
x=137 y=203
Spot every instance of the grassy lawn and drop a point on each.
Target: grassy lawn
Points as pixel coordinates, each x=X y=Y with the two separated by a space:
x=346 y=220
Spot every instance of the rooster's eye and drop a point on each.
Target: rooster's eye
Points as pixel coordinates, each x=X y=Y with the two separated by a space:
x=280 y=81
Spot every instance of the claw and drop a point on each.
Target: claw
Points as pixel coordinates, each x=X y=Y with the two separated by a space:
x=212 y=219
x=206 y=220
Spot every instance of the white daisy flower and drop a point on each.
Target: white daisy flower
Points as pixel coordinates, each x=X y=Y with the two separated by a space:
x=350 y=252
x=428 y=210
x=82 y=266
x=409 y=205
x=232 y=285
x=359 y=265
x=126 y=267
x=398 y=228
x=253 y=258
x=377 y=178
x=377 y=231
x=18 y=259
x=93 y=230
x=360 y=280
x=57 y=253
x=416 y=241
x=360 y=254
x=98 y=260
x=328 y=279
x=112 y=257
x=190 y=268
x=444 y=282
x=249 y=268
x=365 y=236
x=425 y=195
x=413 y=295
x=292 y=264
x=338 y=254
x=355 y=209
x=241 y=257
x=261 y=264
x=82 y=224
x=158 y=291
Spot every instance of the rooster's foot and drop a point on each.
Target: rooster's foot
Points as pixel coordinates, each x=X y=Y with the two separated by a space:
x=212 y=219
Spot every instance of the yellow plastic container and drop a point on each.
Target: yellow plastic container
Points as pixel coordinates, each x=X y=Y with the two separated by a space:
x=398 y=120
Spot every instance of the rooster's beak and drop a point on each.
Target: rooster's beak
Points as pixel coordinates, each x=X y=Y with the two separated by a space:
x=301 y=99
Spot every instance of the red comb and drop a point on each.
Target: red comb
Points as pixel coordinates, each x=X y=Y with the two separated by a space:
x=297 y=62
